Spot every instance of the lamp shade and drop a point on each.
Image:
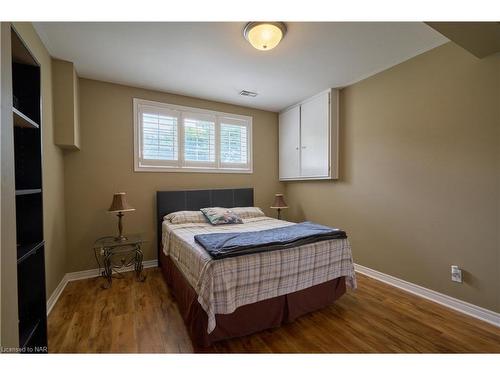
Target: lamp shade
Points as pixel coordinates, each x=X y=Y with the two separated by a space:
x=120 y=203
x=279 y=202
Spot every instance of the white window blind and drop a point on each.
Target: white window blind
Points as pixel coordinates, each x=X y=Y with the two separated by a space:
x=159 y=137
x=233 y=142
x=171 y=138
x=199 y=139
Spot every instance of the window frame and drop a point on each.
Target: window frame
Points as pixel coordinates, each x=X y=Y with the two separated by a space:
x=148 y=165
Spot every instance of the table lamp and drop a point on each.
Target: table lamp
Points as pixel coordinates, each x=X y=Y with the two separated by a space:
x=120 y=205
x=279 y=204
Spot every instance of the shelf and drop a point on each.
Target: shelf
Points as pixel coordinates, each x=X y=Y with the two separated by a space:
x=28 y=191
x=23 y=121
x=24 y=251
x=26 y=334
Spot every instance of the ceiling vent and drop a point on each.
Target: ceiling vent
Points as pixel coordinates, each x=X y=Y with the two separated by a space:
x=248 y=93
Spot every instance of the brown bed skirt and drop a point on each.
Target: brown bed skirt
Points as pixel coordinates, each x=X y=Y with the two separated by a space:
x=246 y=319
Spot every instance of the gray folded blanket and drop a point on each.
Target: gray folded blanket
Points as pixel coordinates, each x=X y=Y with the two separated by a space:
x=224 y=245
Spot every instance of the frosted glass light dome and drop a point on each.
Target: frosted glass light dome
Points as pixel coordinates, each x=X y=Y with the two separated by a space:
x=264 y=36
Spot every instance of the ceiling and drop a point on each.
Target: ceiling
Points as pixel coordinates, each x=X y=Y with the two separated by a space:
x=212 y=60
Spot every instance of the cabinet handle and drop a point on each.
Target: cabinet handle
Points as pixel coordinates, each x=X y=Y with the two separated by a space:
x=296 y=148
x=303 y=146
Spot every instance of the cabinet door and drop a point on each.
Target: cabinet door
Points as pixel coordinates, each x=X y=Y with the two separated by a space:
x=315 y=137
x=289 y=132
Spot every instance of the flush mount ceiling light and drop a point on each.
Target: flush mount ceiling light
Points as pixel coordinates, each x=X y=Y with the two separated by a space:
x=264 y=36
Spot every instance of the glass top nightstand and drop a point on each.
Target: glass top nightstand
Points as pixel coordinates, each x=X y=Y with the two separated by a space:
x=110 y=241
x=113 y=255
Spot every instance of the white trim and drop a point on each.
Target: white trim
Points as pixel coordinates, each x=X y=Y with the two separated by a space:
x=467 y=308
x=72 y=276
x=182 y=108
x=192 y=170
x=56 y=293
x=181 y=165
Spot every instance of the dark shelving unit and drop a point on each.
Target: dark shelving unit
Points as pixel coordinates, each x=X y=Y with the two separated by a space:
x=29 y=198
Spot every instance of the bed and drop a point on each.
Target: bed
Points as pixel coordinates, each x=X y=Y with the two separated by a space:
x=232 y=297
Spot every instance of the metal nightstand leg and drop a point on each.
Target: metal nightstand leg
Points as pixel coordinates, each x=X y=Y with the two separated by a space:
x=138 y=265
x=108 y=271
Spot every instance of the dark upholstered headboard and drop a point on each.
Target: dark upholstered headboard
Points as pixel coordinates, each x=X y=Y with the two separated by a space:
x=193 y=200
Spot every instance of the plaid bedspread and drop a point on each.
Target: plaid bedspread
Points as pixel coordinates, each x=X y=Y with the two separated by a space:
x=226 y=284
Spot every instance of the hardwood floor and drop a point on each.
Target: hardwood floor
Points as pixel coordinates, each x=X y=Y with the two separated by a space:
x=140 y=317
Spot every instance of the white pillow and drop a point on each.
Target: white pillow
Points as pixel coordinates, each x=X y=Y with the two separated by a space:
x=185 y=217
x=248 y=212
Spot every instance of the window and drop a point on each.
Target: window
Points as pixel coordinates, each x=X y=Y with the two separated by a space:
x=159 y=136
x=199 y=140
x=233 y=143
x=171 y=138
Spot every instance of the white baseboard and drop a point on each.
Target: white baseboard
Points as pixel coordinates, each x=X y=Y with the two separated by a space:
x=72 y=276
x=453 y=303
x=56 y=293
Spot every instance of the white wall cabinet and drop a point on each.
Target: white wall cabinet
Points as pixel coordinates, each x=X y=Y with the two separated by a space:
x=308 y=139
x=289 y=140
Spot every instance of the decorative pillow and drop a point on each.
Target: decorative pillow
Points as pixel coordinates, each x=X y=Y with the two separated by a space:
x=220 y=215
x=184 y=217
x=248 y=212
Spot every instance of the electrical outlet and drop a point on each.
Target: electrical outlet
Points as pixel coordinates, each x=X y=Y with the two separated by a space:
x=456 y=274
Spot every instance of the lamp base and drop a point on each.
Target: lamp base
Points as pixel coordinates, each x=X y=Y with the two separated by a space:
x=120 y=237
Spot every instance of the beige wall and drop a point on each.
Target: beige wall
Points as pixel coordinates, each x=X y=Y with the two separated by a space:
x=105 y=166
x=53 y=169
x=420 y=174
x=479 y=38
